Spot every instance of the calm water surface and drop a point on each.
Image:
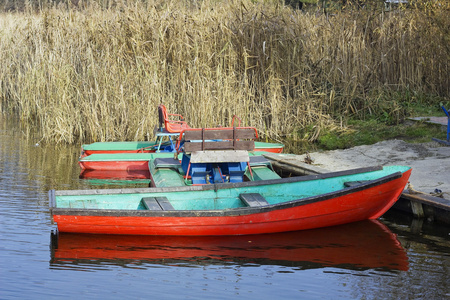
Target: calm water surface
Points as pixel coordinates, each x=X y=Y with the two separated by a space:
x=394 y=258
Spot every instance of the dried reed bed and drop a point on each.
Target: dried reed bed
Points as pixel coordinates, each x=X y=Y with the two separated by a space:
x=97 y=74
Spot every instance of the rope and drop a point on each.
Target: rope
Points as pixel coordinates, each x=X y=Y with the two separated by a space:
x=437 y=192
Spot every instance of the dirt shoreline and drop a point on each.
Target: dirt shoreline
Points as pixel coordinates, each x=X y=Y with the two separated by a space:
x=430 y=161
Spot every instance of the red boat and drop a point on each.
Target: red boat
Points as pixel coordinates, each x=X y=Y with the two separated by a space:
x=116 y=174
x=248 y=207
x=126 y=162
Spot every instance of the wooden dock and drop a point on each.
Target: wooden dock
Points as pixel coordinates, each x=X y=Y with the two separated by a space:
x=421 y=205
x=425 y=206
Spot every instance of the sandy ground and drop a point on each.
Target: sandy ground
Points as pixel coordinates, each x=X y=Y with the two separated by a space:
x=430 y=161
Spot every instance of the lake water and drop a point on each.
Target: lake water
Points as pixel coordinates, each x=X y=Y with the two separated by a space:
x=397 y=257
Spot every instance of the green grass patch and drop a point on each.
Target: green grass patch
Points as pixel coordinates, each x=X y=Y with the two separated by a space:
x=373 y=131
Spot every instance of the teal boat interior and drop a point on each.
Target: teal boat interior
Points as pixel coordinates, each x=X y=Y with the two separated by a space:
x=119 y=145
x=226 y=196
x=168 y=172
x=153 y=145
x=127 y=156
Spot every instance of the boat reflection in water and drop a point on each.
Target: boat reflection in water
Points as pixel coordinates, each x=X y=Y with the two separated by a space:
x=115 y=174
x=359 y=246
x=136 y=178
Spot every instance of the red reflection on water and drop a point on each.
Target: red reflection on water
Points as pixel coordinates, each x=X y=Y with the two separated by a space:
x=116 y=174
x=362 y=245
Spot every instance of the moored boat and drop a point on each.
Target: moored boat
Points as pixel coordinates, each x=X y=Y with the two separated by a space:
x=234 y=208
x=120 y=161
x=152 y=147
x=222 y=138
x=128 y=161
x=167 y=130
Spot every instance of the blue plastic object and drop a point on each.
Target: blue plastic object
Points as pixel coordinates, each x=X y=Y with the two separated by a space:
x=163 y=147
x=448 y=129
x=210 y=173
x=448 y=123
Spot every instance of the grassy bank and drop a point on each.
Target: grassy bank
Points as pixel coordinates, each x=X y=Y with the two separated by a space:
x=97 y=73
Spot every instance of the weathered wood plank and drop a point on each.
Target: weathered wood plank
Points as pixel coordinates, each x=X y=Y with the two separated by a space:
x=225 y=134
x=150 y=203
x=354 y=183
x=157 y=203
x=293 y=164
x=253 y=199
x=219 y=156
x=164 y=203
x=166 y=162
x=222 y=145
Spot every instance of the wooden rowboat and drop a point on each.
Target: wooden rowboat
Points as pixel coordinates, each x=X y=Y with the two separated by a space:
x=167 y=130
x=152 y=147
x=127 y=162
x=120 y=161
x=213 y=138
x=219 y=188
x=234 y=208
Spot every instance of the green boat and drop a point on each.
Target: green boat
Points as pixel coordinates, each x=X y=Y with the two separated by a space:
x=153 y=146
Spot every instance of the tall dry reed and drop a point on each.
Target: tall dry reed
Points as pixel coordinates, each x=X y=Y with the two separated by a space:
x=97 y=73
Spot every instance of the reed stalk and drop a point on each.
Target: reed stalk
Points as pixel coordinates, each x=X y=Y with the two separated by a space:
x=97 y=72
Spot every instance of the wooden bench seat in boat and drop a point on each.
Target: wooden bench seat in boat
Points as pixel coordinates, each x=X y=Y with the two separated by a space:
x=157 y=203
x=253 y=199
x=216 y=155
x=354 y=183
x=259 y=161
x=166 y=162
x=241 y=138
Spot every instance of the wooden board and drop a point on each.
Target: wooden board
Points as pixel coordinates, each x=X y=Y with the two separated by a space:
x=157 y=203
x=253 y=199
x=219 y=156
x=225 y=134
x=222 y=145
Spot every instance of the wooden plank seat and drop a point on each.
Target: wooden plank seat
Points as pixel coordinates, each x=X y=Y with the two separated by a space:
x=171 y=126
x=354 y=183
x=166 y=162
x=259 y=161
x=219 y=156
x=157 y=203
x=253 y=199
x=237 y=138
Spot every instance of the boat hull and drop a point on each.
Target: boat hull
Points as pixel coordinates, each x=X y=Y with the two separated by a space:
x=367 y=201
x=129 y=162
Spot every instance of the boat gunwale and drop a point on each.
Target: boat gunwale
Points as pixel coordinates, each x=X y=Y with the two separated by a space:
x=150 y=147
x=119 y=157
x=216 y=186
x=224 y=212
